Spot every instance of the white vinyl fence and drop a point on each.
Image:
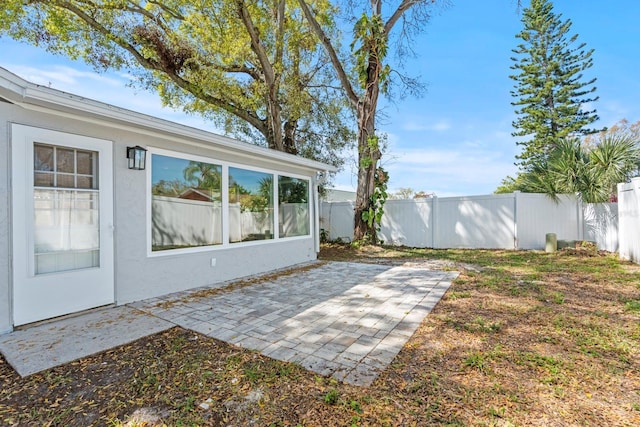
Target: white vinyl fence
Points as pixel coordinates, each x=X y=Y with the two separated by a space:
x=180 y=222
x=184 y=222
x=629 y=207
x=500 y=221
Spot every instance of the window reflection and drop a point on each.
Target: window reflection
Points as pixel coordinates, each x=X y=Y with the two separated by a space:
x=250 y=205
x=186 y=203
x=293 y=206
x=64 y=167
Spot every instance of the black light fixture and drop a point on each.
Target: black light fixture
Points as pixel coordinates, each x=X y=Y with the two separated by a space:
x=137 y=157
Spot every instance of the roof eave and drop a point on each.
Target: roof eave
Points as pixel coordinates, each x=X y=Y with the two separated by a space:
x=27 y=94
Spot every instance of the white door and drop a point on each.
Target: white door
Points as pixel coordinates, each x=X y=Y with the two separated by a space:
x=62 y=206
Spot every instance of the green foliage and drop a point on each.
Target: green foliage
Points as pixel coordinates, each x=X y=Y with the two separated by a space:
x=254 y=68
x=550 y=86
x=369 y=34
x=633 y=305
x=331 y=397
x=403 y=193
x=509 y=185
x=477 y=360
x=373 y=215
x=203 y=175
x=592 y=172
x=260 y=201
x=169 y=188
x=292 y=190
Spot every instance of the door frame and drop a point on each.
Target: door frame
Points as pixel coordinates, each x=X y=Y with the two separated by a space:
x=22 y=231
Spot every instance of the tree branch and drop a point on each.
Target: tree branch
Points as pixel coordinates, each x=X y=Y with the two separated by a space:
x=402 y=8
x=154 y=65
x=256 y=43
x=274 y=117
x=333 y=55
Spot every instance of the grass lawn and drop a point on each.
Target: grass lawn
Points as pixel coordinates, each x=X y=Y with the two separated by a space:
x=521 y=338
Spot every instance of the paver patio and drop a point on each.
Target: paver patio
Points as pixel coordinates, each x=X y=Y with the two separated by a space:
x=339 y=319
x=345 y=320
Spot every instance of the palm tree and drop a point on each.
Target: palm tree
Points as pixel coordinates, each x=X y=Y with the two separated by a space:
x=615 y=159
x=204 y=175
x=593 y=173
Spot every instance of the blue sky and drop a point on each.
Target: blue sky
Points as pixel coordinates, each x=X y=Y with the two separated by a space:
x=456 y=139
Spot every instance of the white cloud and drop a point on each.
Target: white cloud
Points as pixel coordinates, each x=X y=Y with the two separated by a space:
x=64 y=78
x=611 y=112
x=111 y=88
x=457 y=170
x=413 y=125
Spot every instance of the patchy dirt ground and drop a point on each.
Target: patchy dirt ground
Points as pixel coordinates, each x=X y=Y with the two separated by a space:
x=521 y=338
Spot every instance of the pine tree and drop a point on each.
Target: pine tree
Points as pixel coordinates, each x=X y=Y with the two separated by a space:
x=550 y=88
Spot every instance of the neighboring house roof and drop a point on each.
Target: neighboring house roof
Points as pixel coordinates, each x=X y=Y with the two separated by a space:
x=31 y=96
x=201 y=194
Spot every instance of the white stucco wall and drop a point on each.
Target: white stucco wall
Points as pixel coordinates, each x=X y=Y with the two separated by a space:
x=137 y=275
x=5 y=242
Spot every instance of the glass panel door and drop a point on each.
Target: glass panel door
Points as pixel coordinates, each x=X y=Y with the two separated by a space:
x=62 y=223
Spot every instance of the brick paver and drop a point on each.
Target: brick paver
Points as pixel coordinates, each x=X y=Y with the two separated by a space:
x=347 y=320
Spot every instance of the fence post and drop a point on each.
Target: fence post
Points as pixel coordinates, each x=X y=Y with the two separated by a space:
x=434 y=221
x=516 y=195
x=580 y=216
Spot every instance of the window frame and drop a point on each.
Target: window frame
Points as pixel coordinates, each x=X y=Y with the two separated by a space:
x=226 y=244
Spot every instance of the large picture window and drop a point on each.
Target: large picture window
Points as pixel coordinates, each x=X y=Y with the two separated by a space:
x=250 y=205
x=293 y=206
x=186 y=203
x=197 y=202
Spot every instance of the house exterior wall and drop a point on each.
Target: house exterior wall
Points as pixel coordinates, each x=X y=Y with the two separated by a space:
x=5 y=240
x=137 y=274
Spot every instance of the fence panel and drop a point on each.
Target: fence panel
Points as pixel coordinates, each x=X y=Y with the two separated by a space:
x=336 y=219
x=601 y=225
x=629 y=220
x=475 y=222
x=408 y=223
x=500 y=221
x=294 y=219
x=537 y=215
x=185 y=222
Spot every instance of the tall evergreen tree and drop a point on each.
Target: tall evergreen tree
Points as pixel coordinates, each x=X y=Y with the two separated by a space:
x=550 y=87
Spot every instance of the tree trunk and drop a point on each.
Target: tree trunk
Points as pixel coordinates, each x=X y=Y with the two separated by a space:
x=289 y=142
x=368 y=154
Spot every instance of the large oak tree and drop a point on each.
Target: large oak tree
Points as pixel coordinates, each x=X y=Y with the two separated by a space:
x=253 y=67
x=250 y=66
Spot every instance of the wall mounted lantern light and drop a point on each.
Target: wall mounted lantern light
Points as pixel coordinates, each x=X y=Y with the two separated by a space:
x=137 y=157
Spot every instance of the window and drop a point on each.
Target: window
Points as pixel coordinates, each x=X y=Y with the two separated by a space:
x=186 y=203
x=293 y=206
x=197 y=202
x=64 y=167
x=250 y=205
x=66 y=206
